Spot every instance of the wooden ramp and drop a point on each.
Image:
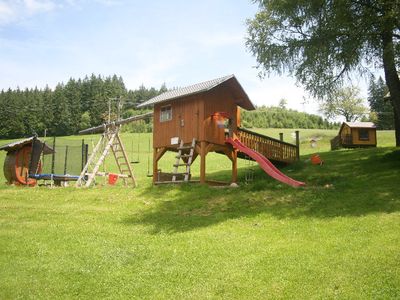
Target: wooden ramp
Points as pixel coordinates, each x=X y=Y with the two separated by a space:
x=275 y=150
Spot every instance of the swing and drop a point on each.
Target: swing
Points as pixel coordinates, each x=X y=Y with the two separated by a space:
x=148 y=162
x=138 y=149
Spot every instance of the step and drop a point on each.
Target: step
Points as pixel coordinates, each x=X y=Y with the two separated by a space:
x=184 y=156
x=179 y=165
x=184 y=147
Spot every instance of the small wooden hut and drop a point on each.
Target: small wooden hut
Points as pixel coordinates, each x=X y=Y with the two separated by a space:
x=20 y=163
x=355 y=134
x=206 y=114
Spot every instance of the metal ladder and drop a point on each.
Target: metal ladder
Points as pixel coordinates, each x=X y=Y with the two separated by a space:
x=89 y=172
x=186 y=164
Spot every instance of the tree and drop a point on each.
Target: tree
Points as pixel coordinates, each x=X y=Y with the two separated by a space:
x=345 y=102
x=282 y=103
x=381 y=108
x=322 y=43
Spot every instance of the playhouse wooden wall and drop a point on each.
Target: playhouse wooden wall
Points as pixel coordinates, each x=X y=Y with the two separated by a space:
x=219 y=100
x=371 y=136
x=192 y=118
x=354 y=134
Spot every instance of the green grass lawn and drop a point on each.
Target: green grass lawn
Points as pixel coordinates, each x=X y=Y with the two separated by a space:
x=339 y=237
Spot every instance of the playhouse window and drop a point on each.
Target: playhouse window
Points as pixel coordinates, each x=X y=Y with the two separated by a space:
x=166 y=113
x=363 y=135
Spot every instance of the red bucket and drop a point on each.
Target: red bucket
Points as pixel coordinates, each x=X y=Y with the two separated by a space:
x=112 y=178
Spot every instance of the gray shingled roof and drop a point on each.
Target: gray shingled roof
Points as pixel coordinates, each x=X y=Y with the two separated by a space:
x=190 y=90
x=19 y=144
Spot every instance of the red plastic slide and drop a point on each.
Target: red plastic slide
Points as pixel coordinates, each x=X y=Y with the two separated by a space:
x=265 y=164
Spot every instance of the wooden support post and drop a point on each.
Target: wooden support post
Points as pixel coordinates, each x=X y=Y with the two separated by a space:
x=157 y=154
x=234 y=166
x=281 y=136
x=297 y=144
x=203 y=155
x=155 y=165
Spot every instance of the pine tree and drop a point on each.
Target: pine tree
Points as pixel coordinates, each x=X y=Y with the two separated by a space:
x=381 y=106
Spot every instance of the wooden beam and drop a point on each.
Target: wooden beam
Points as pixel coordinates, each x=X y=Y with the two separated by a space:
x=157 y=154
x=297 y=145
x=203 y=154
x=234 y=165
x=160 y=152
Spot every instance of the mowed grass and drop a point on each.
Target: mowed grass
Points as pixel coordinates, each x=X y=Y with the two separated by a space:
x=336 y=238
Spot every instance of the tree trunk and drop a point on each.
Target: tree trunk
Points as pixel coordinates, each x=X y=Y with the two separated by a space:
x=392 y=79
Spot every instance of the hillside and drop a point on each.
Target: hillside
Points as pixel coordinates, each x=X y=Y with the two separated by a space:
x=281 y=117
x=336 y=238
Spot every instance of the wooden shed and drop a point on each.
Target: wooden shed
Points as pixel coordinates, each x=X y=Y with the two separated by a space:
x=20 y=163
x=206 y=114
x=355 y=134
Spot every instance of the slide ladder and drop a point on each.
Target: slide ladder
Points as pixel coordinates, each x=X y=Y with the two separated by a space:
x=264 y=163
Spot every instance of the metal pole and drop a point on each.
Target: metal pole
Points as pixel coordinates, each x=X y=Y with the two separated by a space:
x=83 y=154
x=53 y=155
x=66 y=159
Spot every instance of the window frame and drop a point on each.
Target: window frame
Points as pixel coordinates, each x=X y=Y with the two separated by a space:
x=363 y=134
x=163 y=110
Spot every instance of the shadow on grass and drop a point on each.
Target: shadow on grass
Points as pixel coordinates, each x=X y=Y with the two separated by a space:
x=350 y=183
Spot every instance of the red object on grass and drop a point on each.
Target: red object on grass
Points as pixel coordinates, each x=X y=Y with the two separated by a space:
x=316 y=160
x=112 y=178
x=265 y=164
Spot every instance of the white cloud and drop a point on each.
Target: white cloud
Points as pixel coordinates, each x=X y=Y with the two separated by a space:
x=15 y=11
x=109 y=2
x=38 y=6
x=7 y=13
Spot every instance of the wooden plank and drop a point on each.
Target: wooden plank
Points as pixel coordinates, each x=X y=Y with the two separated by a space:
x=203 y=155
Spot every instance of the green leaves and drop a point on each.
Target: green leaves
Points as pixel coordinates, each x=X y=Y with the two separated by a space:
x=318 y=42
x=345 y=102
x=68 y=108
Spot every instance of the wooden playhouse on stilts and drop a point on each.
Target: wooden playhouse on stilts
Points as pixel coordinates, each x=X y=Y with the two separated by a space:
x=205 y=117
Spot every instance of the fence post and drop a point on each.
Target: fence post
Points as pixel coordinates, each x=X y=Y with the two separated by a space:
x=65 y=160
x=83 y=154
x=53 y=155
x=297 y=144
x=281 y=136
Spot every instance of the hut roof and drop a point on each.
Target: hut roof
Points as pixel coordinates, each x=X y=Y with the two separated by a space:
x=360 y=124
x=238 y=93
x=21 y=143
x=357 y=125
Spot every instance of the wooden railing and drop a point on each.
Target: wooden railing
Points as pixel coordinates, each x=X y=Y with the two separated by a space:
x=271 y=148
x=347 y=139
x=336 y=143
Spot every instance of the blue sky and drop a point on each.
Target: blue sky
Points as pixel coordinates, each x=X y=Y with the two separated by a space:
x=174 y=42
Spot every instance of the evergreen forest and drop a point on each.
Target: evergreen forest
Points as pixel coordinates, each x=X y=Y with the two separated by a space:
x=82 y=103
x=69 y=107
